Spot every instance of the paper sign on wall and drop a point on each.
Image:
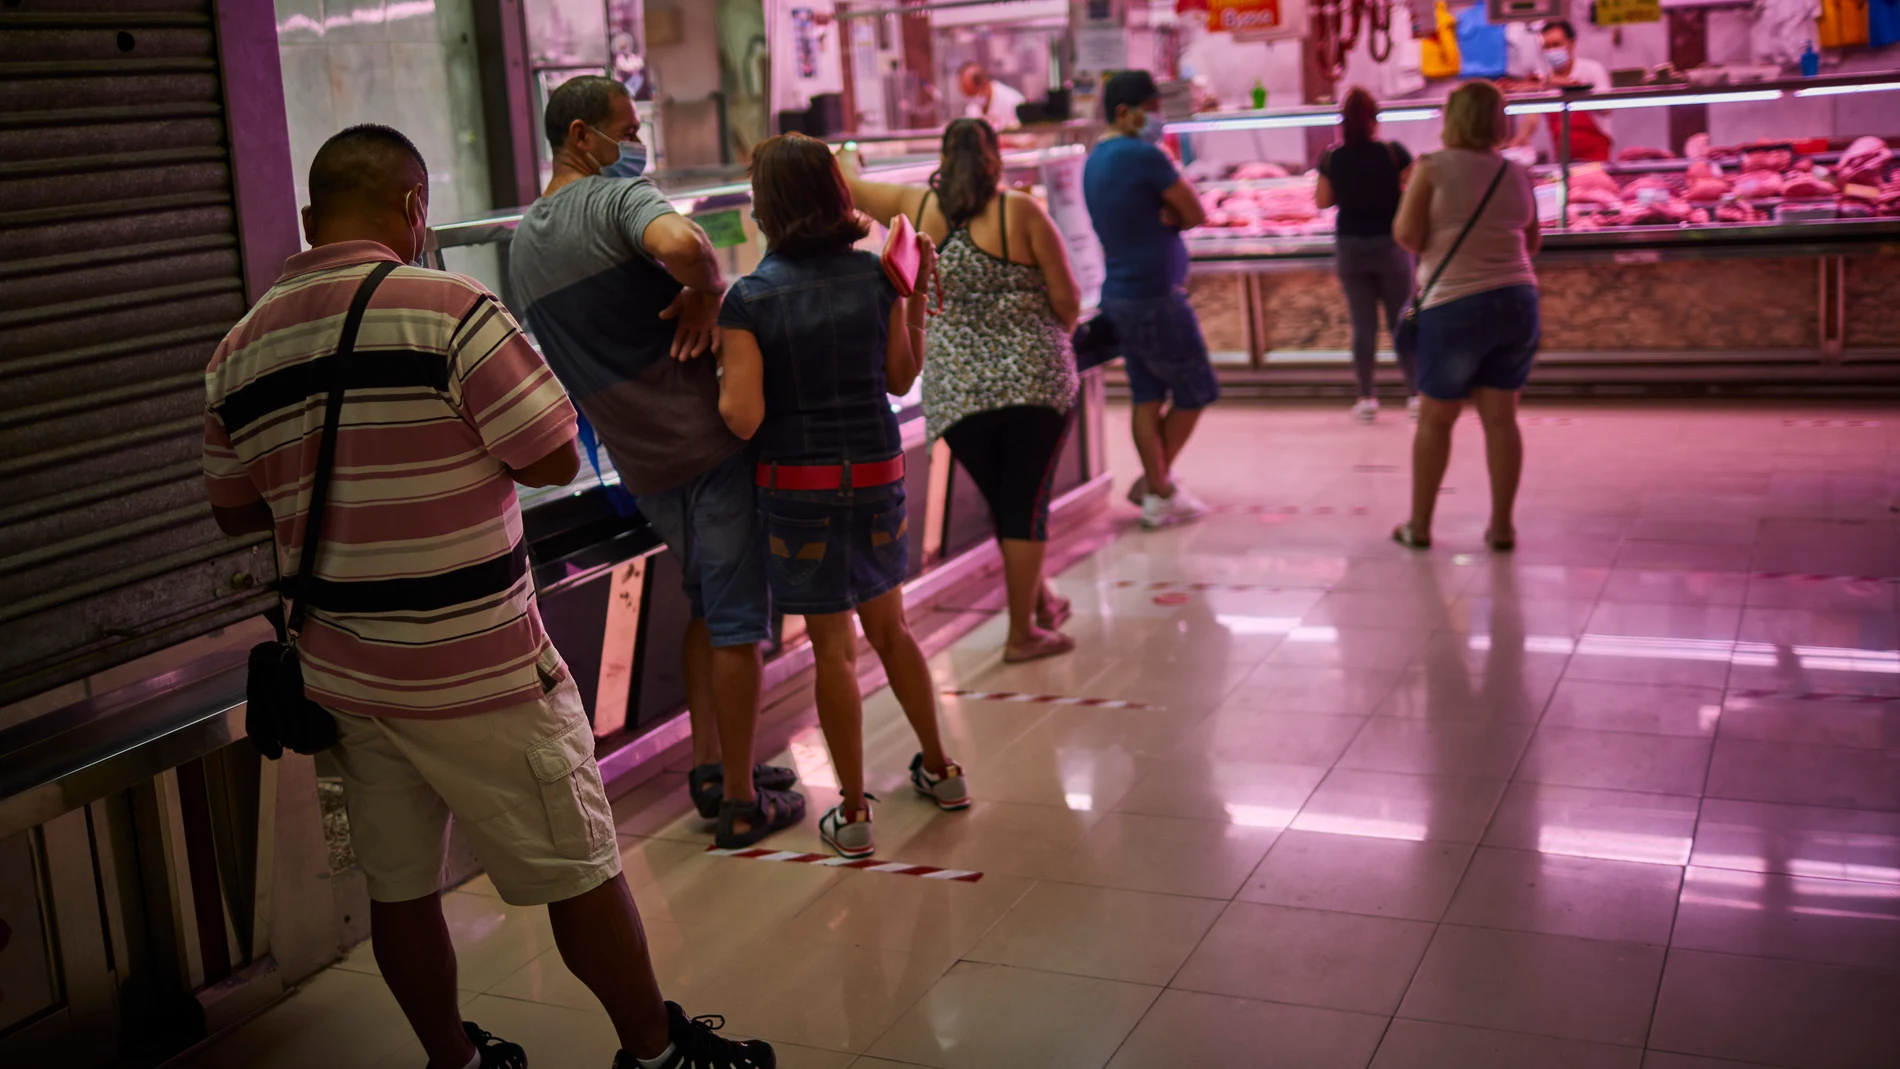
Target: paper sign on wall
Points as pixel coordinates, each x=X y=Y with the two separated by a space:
x=1621 y=12
x=1253 y=20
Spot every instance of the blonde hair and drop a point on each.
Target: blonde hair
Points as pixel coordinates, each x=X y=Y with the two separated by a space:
x=1474 y=117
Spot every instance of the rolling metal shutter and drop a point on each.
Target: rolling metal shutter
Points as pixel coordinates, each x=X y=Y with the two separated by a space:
x=119 y=272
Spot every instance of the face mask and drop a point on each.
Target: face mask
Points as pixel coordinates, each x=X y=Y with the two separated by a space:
x=421 y=257
x=631 y=164
x=1152 y=128
x=1558 y=58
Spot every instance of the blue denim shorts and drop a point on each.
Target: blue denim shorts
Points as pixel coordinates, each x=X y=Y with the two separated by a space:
x=711 y=524
x=833 y=550
x=1488 y=339
x=1163 y=350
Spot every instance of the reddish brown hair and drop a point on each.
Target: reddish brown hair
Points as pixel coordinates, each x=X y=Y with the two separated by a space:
x=1358 y=114
x=800 y=198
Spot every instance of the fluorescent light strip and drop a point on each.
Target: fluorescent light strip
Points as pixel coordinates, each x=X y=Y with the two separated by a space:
x=1533 y=109
x=1671 y=101
x=1837 y=90
x=1408 y=114
x=1271 y=122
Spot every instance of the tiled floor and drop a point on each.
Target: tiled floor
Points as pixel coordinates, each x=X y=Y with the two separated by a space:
x=1629 y=797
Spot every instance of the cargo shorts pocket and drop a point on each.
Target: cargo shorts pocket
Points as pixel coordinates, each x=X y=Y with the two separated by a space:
x=571 y=791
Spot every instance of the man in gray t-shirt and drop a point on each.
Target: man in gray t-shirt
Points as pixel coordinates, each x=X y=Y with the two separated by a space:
x=623 y=293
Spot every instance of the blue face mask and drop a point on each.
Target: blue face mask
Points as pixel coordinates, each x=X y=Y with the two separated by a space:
x=631 y=164
x=1152 y=128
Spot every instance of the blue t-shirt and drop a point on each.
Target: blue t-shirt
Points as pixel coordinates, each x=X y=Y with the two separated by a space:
x=1122 y=185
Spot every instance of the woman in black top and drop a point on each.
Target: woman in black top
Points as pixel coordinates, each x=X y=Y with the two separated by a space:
x=1365 y=176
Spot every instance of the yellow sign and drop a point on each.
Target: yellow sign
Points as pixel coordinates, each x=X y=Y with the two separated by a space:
x=1620 y=12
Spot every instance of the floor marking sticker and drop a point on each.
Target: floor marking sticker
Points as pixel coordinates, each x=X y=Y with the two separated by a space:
x=1830 y=423
x=1125 y=584
x=1839 y=697
x=1551 y=421
x=864 y=864
x=1798 y=577
x=1171 y=599
x=1290 y=510
x=1049 y=699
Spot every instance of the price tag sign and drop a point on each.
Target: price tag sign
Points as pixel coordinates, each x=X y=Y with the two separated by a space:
x=725 y=228
x=1256 y=20
x=1621 y=12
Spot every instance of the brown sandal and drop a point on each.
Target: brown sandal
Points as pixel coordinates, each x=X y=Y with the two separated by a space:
x=1042 y=644
x=1054 y=612
x=1402 y=534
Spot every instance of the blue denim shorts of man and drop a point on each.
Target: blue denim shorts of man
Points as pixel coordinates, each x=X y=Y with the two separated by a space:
x=1163 y=350
x=833 y=550
x=712 y=524
x=1488 y=339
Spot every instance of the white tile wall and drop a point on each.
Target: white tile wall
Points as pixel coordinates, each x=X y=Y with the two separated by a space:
x=408 y=63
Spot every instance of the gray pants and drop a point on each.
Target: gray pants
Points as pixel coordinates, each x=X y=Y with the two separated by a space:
x=1375 y=272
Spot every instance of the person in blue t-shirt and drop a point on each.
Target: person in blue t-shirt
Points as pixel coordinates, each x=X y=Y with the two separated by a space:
x=1139 y=204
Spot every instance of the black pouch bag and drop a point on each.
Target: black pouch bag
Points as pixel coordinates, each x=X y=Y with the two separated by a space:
x=1095 y=343
x=277 y=712
x=1405 y=337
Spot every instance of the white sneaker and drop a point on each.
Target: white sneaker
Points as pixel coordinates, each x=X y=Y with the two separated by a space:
x=1183 y=507
x=1411 y=407
x=1366 y=409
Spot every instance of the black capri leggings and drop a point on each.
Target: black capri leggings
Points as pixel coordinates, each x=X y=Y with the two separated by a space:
x=1011 y=453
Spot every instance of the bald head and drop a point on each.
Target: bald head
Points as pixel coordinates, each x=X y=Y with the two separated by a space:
x=364 y=170
x=368 y=183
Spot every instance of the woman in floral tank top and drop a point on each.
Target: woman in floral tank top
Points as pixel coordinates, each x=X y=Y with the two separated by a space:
x=1000 y=384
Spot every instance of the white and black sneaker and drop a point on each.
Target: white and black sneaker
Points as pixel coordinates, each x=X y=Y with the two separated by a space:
x=496 y=1053
x=697 y=1045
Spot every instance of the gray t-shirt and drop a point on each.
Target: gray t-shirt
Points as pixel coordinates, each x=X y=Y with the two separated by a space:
x=593 y=299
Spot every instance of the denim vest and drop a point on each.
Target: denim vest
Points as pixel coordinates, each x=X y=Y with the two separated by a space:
x=821 y=322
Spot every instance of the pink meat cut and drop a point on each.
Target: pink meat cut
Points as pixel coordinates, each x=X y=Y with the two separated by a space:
x=1758 y=184
x=1864 y=161
x=1806 y=187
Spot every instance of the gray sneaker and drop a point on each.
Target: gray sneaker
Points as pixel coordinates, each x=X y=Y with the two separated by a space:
x=949 y=790
x=853 y=839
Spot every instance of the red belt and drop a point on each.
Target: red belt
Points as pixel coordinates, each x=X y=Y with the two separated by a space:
x=829 y=476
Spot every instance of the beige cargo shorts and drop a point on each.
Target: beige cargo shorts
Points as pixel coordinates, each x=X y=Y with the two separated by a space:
x=521 y=784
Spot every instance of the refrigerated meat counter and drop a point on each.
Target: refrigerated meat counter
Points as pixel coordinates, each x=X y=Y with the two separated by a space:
x=1760 y=252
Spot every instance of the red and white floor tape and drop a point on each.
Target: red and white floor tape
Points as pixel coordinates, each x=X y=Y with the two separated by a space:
x=1838 y=697
x=865 y=864
x=1048 y=699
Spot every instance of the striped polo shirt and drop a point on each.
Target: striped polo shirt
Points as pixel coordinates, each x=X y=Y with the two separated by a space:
x=422 y=604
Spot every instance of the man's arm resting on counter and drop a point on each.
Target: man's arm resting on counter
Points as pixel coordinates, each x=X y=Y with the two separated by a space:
x=687 y=254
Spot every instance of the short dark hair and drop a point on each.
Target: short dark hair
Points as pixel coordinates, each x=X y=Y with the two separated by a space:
x=801 y=200
x=1569 y=31
x=1133 y=88
x=360 y=165
x=1358 y=114
x=589 y=98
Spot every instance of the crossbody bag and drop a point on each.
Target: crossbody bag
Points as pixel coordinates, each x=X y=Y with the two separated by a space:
x=1406 y=336
x=278 y=714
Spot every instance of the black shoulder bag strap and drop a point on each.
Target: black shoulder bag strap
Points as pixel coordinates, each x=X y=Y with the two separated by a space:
x=1418 y=302
x=299 y=588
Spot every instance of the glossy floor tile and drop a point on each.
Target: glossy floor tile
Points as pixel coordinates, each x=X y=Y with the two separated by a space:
x=1627 y=798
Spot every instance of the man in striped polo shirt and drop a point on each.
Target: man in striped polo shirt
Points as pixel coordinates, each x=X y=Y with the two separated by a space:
x=423 y=638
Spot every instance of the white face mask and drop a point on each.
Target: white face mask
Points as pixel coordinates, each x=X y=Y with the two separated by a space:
x=1558 y=58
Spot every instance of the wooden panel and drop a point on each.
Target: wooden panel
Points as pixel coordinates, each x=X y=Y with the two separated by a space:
x=1688 y=305
x=1873 y=301
x=1221 y=303
x=1304 y=310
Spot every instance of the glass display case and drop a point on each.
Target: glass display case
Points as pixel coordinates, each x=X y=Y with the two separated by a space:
x=1811 y=150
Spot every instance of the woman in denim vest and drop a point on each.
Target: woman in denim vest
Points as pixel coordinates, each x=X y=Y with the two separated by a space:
x=813 y=344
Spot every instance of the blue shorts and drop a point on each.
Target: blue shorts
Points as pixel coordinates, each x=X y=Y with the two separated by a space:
x=833 y=550
x=1163 y=350
x=1488 y=339
x=712 y=526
